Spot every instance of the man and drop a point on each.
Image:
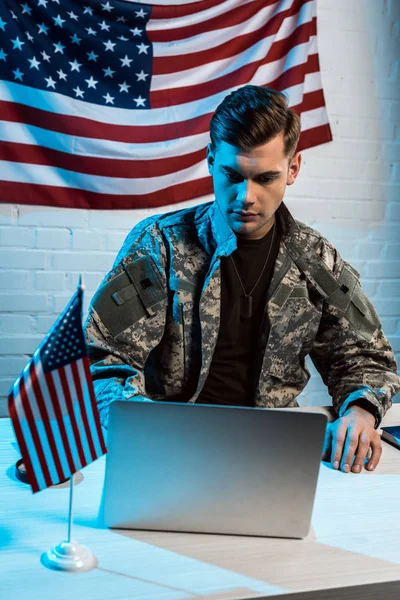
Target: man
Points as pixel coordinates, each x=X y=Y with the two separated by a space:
x=221 y=303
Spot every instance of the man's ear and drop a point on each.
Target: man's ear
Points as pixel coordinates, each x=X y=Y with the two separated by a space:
x=210 y=159
x=294 y=168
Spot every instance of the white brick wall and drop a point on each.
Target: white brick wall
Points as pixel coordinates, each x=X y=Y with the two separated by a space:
x=348 y=189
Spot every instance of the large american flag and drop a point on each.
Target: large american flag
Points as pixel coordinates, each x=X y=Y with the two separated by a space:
x=107 y=104
x=52 y=405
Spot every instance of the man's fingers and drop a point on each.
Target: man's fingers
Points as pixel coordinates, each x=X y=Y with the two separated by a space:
x=338 y=439
x=376 y=446
x=362 y=451
x=353 y=441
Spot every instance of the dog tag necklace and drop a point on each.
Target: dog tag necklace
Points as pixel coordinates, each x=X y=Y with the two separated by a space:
x=246 y=300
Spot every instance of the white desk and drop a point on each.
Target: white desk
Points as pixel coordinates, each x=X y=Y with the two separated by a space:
x=353 y=550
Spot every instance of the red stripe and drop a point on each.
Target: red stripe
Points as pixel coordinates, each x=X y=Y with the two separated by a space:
x=107 y=167
x=82 y=127
x=46 y=195
x=241 y=76
x=71 y=413
x=46 y=422
x=226 y=19
x=81 y=400
x=173 y=11
x=35 y=436
x=86 y=363
x=53 y=393
x=21 y=442
x=314 y=137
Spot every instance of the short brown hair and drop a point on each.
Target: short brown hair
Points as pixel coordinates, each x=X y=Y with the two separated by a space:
x=253 y=115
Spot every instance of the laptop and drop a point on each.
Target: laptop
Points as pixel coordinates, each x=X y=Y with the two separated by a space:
x=212 y=469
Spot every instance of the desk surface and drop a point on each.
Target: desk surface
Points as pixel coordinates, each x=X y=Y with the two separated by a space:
x=353 y=549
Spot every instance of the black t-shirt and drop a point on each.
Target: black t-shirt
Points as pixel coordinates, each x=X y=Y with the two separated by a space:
x=231 y=378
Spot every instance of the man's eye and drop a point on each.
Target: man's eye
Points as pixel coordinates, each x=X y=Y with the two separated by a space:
x=266 y=179
x=233 y=177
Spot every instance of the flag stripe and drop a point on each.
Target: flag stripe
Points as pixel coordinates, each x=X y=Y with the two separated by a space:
x=82 y=404
x=66 y=445
x=34 y=433
x=249 y=72
x=13 y=403
x=104 y=167
x=61 y=196
x=35 y=397
x=237 y=45
x=71 y=412
x=93 y=405
x=225 y=20
x=170 y=12
x=69 y=430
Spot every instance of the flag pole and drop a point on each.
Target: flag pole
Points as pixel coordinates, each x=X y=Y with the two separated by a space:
x=68 y=555
x=71 y=496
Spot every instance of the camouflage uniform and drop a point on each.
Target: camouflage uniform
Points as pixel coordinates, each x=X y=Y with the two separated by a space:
x=153 y=323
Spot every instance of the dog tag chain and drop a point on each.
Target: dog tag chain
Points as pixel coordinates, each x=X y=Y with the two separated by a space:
x=246 y=300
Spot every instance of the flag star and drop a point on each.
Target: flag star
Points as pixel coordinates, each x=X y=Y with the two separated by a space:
x=27 y=9
x=92 y=56
x=72 y=16
x=18 y=74
x=136 y=31
x=59 y=48
x=107 y=7
x=62 y=75
x=50 y=82
x=142 y=48
x=123 y=87
x=34 y=63
x=90 y=31
x=29 y=36
x=17 y=44
x=121 y=20
x=2 y=54
x=43 y=3
x=75 y=66
x=14 y=16
x=43 y=29
x=79 y=93
x=75 y=39
x=58 y=21
x=107 y=72
x=141 y=76
x=56 y=1
x=3 y=24
x=123 y=38
x=109 y=99
x=140 y=13
x=126 y=62
x=91 y=82
x=104 y=26
x=139 y=101
x=88 y=10
x=45 y=56
x=109 y=45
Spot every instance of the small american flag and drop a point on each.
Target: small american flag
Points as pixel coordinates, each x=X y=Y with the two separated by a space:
x=107 y=104
x=52 y=404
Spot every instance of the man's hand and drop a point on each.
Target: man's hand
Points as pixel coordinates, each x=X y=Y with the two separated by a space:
x=352 y=435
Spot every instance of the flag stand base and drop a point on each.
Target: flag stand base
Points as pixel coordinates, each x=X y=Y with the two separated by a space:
x=69 y=556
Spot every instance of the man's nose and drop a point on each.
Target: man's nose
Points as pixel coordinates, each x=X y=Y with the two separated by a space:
x=245 y=192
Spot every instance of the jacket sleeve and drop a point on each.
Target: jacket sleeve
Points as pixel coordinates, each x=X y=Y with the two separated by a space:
x=351 y=352
x=126 y=320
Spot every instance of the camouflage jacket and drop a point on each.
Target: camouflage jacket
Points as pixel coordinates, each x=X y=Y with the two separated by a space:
x=153 y=323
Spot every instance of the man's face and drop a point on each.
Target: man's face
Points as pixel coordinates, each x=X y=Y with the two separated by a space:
x=249 y=186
